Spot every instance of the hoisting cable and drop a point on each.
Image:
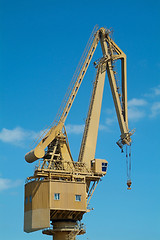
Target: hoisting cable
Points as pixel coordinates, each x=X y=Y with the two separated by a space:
x=128 y=165
x=127 y=161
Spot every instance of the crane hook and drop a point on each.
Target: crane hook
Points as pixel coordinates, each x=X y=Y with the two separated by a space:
x=129 y=184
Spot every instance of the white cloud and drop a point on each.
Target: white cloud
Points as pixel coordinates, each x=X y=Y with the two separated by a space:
x=17 y=135
x=156 y=90
x=134 y=114
x=110 y=111
x=136 y=109
x=135 y=102
x=155 y=109
x=74 y=129
x=78 y=129
x=8 y=183
x=110 y=121
x=102 y=127
x=20 y=137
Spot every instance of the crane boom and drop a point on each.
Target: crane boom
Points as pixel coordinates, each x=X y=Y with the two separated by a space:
x=111 y=52
x=80 y=78
x=39 y=152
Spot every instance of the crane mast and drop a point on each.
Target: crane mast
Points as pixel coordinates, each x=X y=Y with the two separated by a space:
x=60 y=189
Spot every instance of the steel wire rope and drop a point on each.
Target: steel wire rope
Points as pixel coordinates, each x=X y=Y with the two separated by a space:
x=127 y=162
x=77 y=71
x=130 y=161
x=69 y=90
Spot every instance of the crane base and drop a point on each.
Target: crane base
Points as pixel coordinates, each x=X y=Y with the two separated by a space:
x=65 y=230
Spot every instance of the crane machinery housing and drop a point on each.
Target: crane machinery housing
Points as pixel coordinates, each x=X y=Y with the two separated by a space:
x=60 y=190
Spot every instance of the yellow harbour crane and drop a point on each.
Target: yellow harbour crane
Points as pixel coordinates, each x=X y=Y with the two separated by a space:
x=58 y=194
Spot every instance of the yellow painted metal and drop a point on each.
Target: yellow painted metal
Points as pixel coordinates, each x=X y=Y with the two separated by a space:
x=89 y=141
x=111 y=52
x=121 y=110
x=41 y=206
x=96 y=166
x=36 y=206
x=65 y=230
x=60 y=189
x=39 y=150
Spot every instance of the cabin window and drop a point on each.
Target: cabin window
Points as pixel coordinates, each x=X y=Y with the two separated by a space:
x=57 y=196
x=26 y=200
x=104 y=167
x=30 y=198
x=78 y=198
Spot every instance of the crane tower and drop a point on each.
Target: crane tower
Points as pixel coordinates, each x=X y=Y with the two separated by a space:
x=58 y=194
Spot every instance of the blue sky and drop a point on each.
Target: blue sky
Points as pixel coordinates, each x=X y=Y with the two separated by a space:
x=41 y=43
